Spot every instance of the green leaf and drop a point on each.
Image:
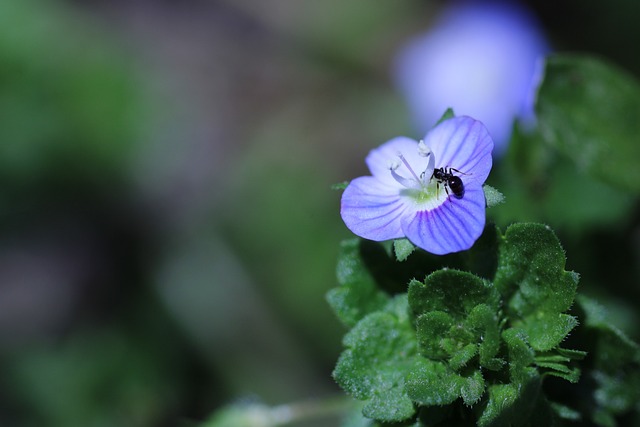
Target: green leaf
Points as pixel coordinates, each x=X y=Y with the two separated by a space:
x=358 y=293
x=547 y=330
x=381 y=351
x=572 y=354
x=448 y=114
x=521 y=356
x=460 y=358
x=492 y=196
x=432 y=328
x=473 y=389
x=617 y=393
x=614 y=350
x=519 y=404
x=565 y=412
x=531 y=273
x=339 y=186
x=589 y=109
x=485 y=320
x=434 y=383
x=616 y=365
x=403 y=248
x=451 y=291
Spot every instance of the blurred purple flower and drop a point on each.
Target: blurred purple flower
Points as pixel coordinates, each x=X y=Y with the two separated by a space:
x=479 y=59
x=412 y=192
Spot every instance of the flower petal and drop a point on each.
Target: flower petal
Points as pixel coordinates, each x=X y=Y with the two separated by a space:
x=372 y=209
x=464 y=144
x=452 y=227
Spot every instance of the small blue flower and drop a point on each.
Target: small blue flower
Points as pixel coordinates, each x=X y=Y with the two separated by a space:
x=481 y=59
x=412 y=192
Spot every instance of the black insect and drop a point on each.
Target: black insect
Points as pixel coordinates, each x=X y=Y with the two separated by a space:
x=445 y=177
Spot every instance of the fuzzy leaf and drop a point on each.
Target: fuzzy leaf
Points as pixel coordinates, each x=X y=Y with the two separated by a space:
x=358 y=293
x=432 y=329
x=531 y=273
x=381 y=351
x=485 y=320
x=547 y=330
x=473 y=389
x=460 y=358
x=434 y=383
x=492 y=196
x=571 y=117
x=403 y=248
x=451 y=291
x=459 y=318
x=521 y=356
x=518 y=404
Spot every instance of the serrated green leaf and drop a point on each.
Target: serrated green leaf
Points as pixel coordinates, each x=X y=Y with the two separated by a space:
x=571 y=354
x=403 y=248
x=431 y=329
x=485 y=320
x=573 y=375
x=515 y=404
x=521 y=356
x=451 y=291
x=547 y=330
x=434 y=383
x=571 y=116
x=492 y=196
x=381 y=351
x=473 y=389
x=358 y=293
x=502 y=398
x=461 y=357
x=555 y=366
x=531 y=275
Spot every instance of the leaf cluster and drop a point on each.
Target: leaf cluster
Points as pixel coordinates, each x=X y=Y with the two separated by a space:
x=433 y=346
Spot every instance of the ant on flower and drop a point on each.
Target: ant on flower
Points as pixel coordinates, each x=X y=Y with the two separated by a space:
x=445 y=177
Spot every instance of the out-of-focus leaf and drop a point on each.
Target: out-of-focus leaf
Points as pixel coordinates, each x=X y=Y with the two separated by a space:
x=590 y=110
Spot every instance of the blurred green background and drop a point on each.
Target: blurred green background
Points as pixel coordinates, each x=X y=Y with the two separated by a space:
x=167 y=228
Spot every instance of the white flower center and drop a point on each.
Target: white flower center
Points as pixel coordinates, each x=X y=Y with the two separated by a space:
x=421 y=187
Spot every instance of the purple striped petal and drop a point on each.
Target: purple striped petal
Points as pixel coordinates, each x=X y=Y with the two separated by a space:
x=372 y=209
x=379 y=158
x=452 y=227
x=464 y=144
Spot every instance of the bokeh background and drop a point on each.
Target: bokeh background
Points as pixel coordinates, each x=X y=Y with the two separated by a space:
x=167 y=227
